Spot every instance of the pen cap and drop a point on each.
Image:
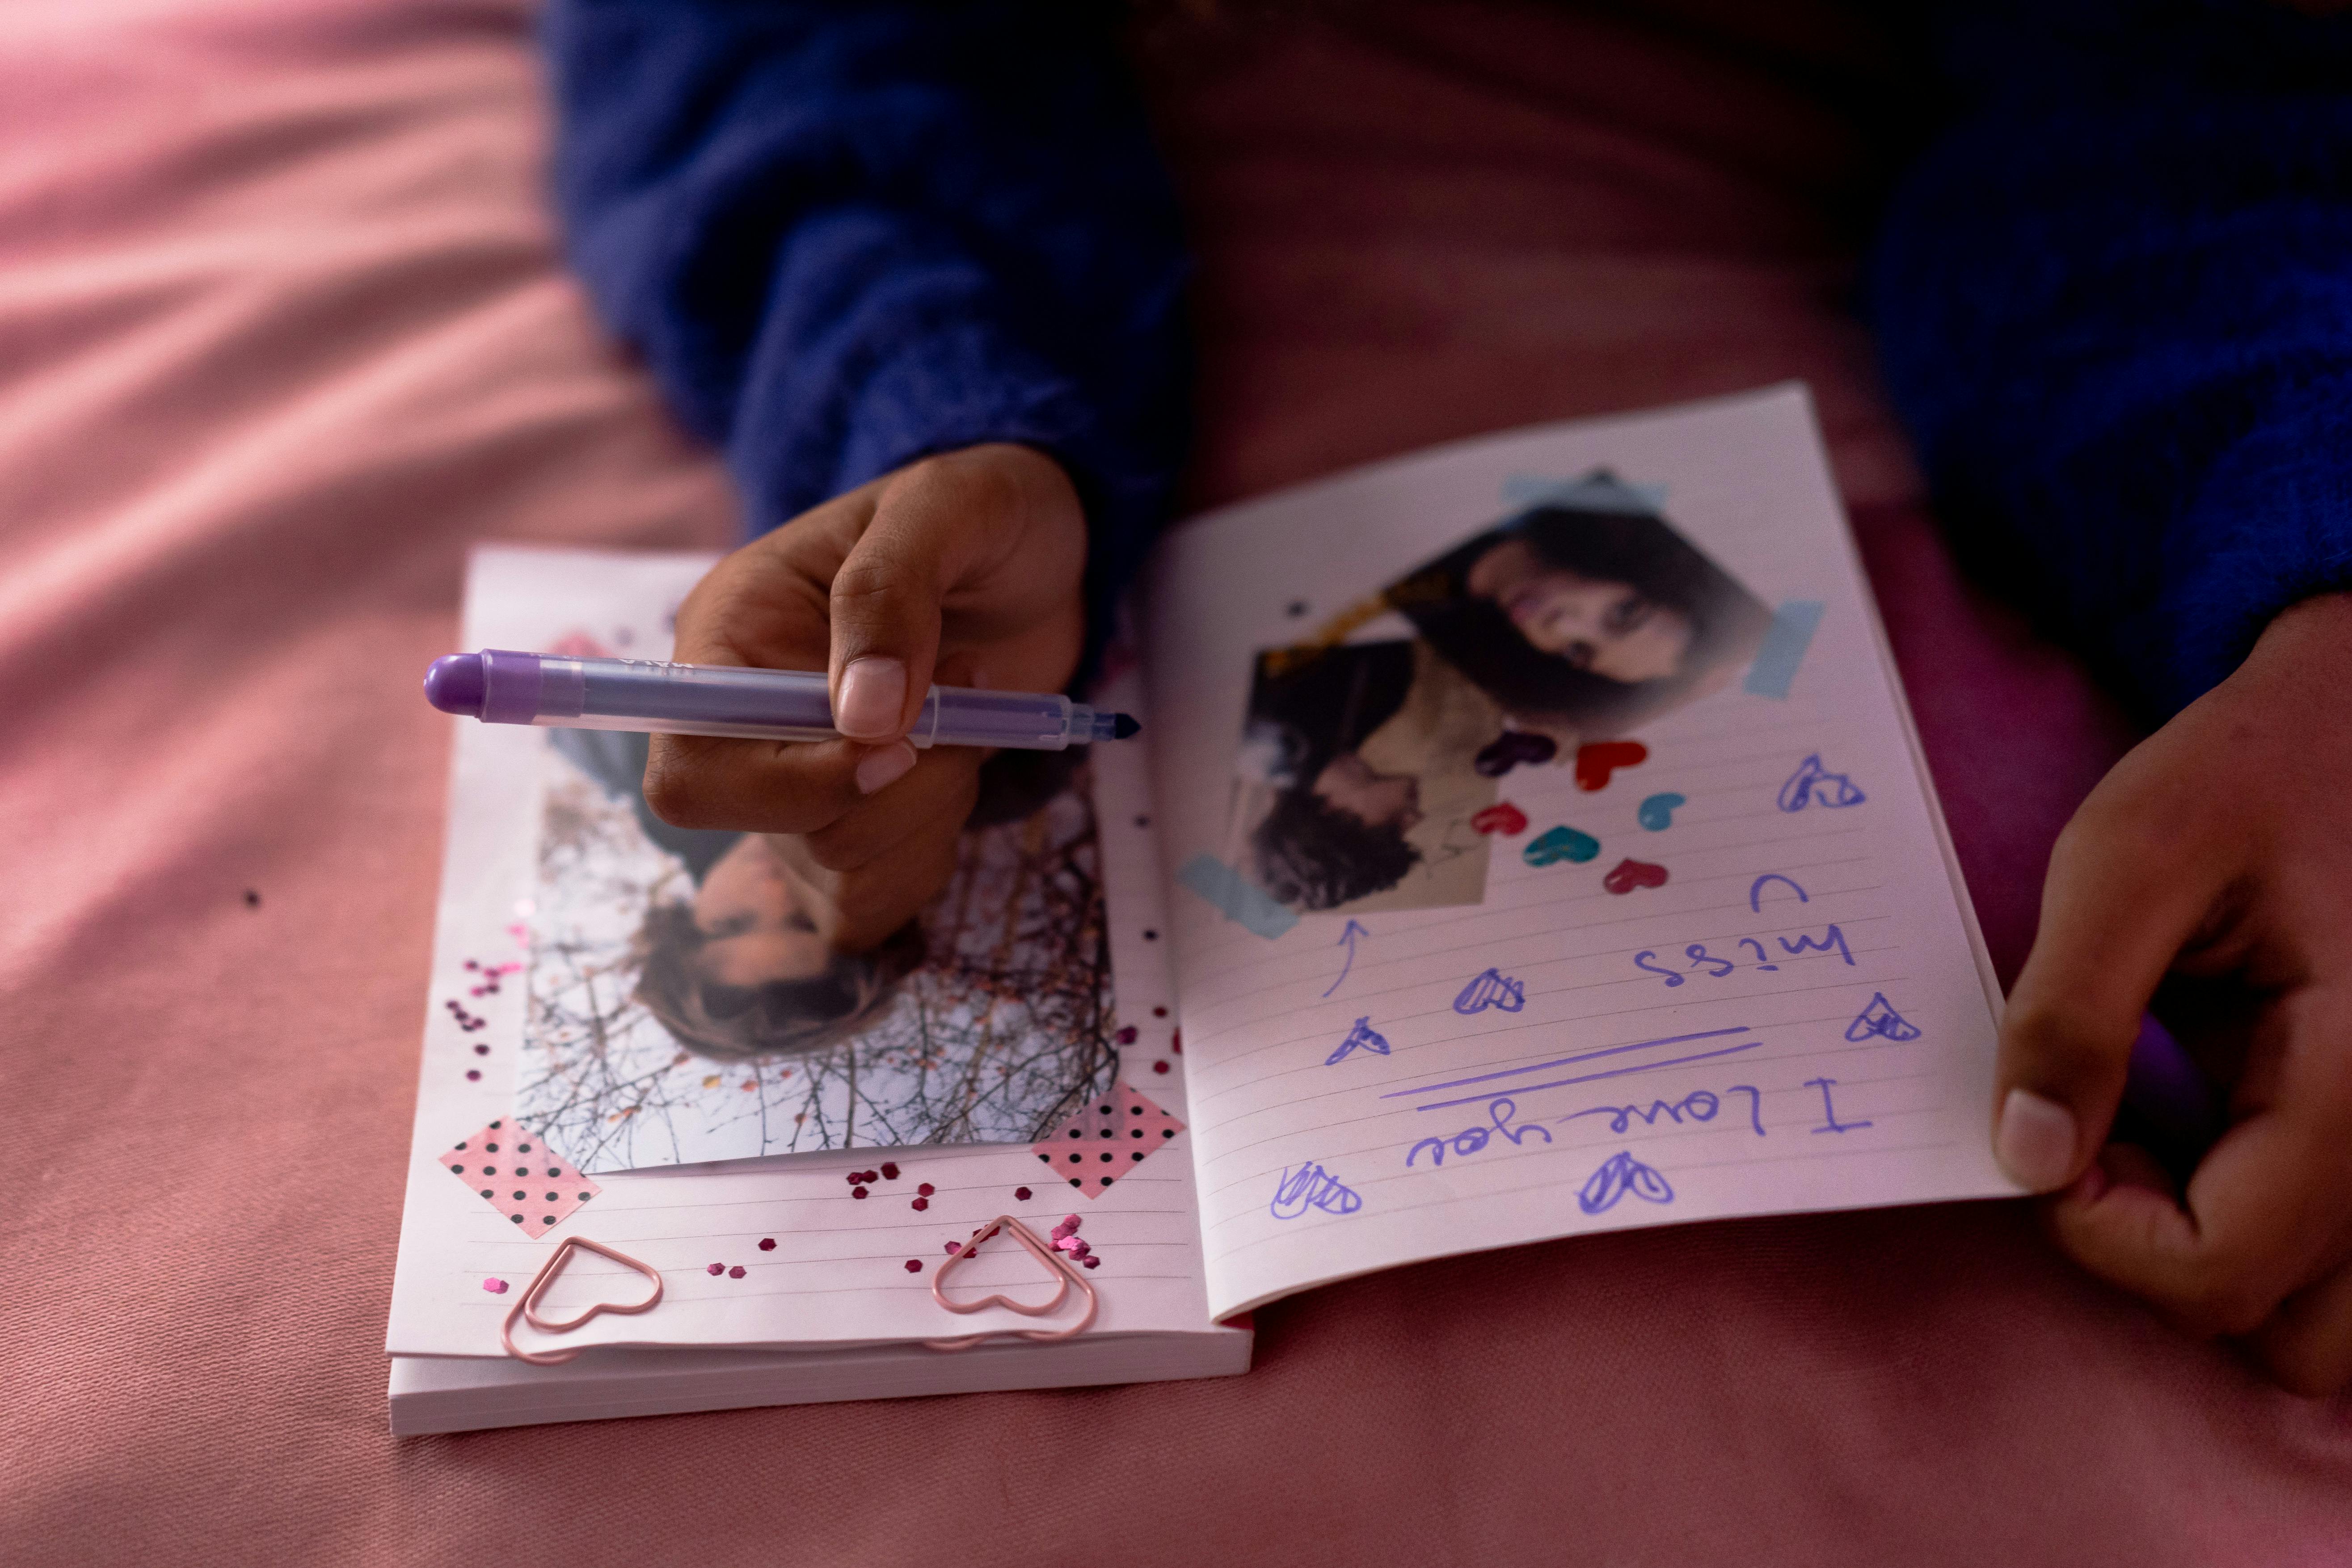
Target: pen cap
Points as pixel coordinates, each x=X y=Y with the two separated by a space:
x=498 y=687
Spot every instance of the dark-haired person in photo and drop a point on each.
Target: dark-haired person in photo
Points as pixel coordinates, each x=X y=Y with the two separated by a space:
x=1586 y=615
x=1334 y=831
x=739 y=972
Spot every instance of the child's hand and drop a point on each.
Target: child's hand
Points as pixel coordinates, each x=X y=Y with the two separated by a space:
x=2220 y=850
x=963 y=570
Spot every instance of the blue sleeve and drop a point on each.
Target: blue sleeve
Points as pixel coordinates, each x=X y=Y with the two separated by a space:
x=2114 y=304
x=844 y=236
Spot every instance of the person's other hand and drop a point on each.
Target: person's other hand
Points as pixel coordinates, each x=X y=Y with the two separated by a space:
x=2216 y=859
x=963 y=569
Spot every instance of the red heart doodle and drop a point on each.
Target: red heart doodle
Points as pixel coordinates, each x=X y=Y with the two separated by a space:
x=1502 y=817
x=1596 y=761
x=1632 y=873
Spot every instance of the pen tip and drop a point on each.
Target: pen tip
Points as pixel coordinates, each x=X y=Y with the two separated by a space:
x=1122 y=725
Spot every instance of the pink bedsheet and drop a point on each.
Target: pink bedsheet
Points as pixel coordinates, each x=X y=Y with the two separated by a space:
x=282 y=331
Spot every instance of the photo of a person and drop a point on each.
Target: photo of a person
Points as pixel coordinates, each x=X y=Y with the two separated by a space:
x=1334 y=830
x=1584 y=617
x=1579 y=618
x=1356 y=782
x=737 y=971
x=684 y=1008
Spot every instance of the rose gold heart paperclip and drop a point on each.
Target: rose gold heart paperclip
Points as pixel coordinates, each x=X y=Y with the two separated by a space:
x=527 y=1309
x=1043 y=1254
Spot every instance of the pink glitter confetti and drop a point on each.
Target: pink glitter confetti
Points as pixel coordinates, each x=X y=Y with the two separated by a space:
x=717 y=1268
x=1159 y=1067
x=889 y=1172
x=767 y=1244
x=857 y=1192
x=925 y=1190
x=921 y=1204
x=1021 y=1194
x=914 y=1266
x=1090 y=1262
x=495 y=1287
x=736 y=1272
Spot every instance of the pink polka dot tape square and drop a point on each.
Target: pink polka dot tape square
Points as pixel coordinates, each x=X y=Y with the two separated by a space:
x=1105 y=1140
x=519 y=1176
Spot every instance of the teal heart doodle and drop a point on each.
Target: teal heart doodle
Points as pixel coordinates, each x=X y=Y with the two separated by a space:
x=1558 y=844
x=1657 y=813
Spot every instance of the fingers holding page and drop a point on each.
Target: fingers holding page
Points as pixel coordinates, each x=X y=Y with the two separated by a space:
x=2218 y=855
x=2262 y=1218
x=2131 y=880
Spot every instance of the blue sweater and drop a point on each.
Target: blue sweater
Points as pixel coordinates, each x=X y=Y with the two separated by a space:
x=2114 y=300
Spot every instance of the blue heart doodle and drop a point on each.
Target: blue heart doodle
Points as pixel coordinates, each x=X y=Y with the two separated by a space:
x=1556 y=844
x=1362 y=1037
x=1812 y=784
x=1619 y=1175
x=1881 y=1019
x=1657 y=813
x=1491 y=989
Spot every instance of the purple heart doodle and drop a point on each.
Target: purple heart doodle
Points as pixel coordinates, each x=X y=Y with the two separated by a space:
x=1512 y=747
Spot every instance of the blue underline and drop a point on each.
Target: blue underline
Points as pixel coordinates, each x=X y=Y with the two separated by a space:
x=1561 y=1062
x=1588 y=1078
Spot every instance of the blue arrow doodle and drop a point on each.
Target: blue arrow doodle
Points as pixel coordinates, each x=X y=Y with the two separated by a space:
x=1362 y=1037
x=1348 y=939
x=1880 y=1018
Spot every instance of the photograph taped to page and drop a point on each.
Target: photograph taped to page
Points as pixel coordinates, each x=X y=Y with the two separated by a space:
x=683 y=1008
x=1577 y=619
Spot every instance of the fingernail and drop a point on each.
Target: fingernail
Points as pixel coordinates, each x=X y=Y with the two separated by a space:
x=873 y=694
x=884 y=767
x=2036 y=1140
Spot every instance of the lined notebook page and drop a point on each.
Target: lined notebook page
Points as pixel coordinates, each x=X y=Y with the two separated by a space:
x=802 y=1260
x=1799 y=1015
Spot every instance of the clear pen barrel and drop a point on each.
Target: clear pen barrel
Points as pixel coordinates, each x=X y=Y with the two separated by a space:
x=965 y=716
x=766 y=704
x=683 y=700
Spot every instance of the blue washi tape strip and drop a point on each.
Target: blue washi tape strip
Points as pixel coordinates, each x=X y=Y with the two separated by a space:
x=1792 y=633
x=1235 y=896
x=1599 y=490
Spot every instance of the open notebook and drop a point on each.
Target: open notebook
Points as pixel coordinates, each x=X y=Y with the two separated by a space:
x=1526 y=838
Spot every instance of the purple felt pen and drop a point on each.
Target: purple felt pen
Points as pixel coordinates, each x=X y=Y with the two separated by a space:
x=500 y=687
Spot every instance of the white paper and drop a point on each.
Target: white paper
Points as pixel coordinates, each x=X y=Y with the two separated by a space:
x=838 y=1271
x=1593 y=1092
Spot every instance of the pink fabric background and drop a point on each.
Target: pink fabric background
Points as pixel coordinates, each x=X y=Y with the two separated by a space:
x=282 y=331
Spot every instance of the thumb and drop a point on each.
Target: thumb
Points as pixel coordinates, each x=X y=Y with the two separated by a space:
x=2124 y=895
x=933 y=526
